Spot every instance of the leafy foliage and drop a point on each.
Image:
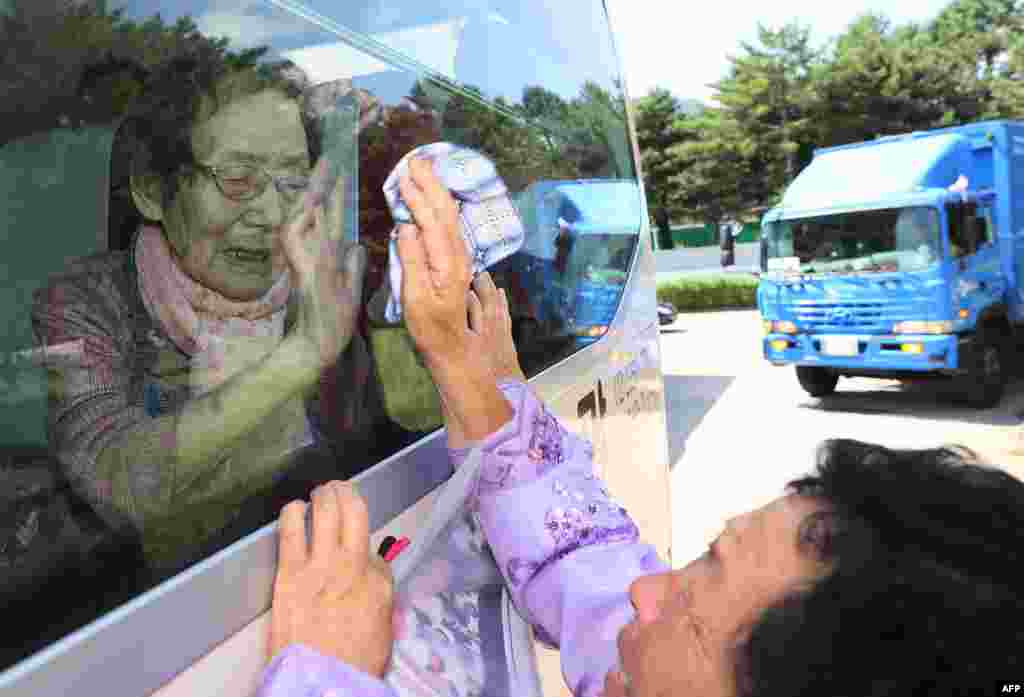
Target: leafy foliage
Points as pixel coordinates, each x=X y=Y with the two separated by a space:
x=781 y=98
x=50 y=50
x=658 y=117
x=710 y=293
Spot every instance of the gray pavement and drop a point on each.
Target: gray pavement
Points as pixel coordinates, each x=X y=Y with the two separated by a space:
x=739 y=428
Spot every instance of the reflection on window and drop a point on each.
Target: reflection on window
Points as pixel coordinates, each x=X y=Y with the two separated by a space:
x=435 y=47
x=580 y=237
x=164 y=152
x=895 y=239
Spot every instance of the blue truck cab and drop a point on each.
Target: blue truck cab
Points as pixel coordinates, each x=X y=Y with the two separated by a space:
x=898 y=258
x=580 y=238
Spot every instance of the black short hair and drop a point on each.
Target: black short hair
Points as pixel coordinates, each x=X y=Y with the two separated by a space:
x=187 y=89
x=923 y=595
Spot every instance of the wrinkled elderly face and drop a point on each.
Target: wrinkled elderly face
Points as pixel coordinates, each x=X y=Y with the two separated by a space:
x=689 y=620
x=233 y=247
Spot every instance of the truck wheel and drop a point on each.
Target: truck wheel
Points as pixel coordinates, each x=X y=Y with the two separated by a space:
x=986 y=373
x=817 y=382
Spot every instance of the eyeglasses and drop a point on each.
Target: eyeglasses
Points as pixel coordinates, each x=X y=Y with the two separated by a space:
x=244 y=182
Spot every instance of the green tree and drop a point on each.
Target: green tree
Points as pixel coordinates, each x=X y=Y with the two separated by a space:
x=598 y=144
x=882 y=81
x=657 y=130
x=986 y=27
x=519 y=150
x=767 y=108
x=721 y=162
x=715 y=162
x=47 y=45
x=989 y=33
x=782 y=98
x=546 y=111
x=1008 y=87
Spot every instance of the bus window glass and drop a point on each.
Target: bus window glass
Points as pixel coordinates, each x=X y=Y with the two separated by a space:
x=153 y=152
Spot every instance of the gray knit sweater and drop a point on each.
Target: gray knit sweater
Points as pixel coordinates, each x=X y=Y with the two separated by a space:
x=132 y=375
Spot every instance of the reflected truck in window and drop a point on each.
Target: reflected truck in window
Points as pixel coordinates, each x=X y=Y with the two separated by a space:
x=580 y=240
x=153 y=418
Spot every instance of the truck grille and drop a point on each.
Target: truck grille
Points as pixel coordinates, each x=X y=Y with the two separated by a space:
x=850 y=315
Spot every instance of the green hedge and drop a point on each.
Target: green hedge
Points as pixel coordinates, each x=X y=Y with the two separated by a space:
x=709 y=293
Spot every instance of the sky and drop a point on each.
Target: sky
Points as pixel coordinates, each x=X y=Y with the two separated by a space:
x=684 y=46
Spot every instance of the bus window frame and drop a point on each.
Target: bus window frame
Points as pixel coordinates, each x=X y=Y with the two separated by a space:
x=228 y=590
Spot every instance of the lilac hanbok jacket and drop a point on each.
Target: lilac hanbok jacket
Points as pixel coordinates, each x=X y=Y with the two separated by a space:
x=567 y=554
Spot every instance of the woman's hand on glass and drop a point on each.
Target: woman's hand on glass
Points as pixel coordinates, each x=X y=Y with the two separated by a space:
x=491 y=325
x=435 y=302
x=326 y=272
x=330 y=594
x=436 y=270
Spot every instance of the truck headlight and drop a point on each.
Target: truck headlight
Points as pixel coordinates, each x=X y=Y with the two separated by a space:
x=921 y=327
x=778 y=326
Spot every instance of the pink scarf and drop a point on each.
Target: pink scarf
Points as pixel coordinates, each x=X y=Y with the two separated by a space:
x=198 y=320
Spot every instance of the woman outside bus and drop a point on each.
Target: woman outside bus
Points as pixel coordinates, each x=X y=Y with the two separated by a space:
x=885 y=572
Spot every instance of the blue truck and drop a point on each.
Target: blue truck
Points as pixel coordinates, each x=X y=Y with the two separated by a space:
x=900 y=258
x=580 y=238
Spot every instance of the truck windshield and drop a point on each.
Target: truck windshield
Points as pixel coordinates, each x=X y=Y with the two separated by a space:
x=891 y=239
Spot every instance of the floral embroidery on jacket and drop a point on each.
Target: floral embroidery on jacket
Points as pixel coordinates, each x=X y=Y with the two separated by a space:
x=437 y=618
x=506 y=465
x=438 y=646
x=571 y=528
x=566 y=525
x=545 y=442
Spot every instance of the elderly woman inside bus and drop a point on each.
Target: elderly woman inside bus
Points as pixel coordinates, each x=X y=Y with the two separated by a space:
x=882 y=573
x=225 y=339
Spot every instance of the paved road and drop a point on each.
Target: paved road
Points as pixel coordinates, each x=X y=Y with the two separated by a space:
x=702 y=260
x=739 y=428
